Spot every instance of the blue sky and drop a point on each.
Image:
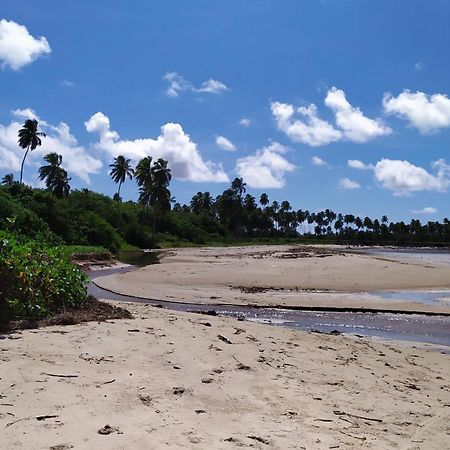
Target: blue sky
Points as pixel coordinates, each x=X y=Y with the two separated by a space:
x=345 y=101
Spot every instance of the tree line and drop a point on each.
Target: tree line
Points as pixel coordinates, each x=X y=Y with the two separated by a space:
x=232 y=215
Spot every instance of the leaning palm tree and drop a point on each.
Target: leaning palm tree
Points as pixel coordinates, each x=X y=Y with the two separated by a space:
x=29 y=139
x=50 y=171
x=8 y=180
x=120 y=170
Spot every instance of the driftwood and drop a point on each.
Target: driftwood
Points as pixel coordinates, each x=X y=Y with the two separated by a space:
x=59 y=375
x=343 y=413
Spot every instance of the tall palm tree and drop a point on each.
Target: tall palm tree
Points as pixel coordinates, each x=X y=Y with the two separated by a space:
x=8 y=180
x=49 y=172
x=120 y=170
x=238 y=187
x=144 y=172
x=29 y=139
x=55 y=176
x=162 y=175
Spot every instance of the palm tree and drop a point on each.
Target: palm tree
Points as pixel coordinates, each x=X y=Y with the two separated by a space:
x=264 y=199
x=238 y=187
x=49 y=172
x=144 y=172
x=160 y=198
x=120 y=170
x=8 y=180
x=55 y=176
x=60 y=184
x=29 y=138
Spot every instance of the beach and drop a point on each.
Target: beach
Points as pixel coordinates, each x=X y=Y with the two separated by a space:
x=287 y=276
x=173 y=379
x=180 y=380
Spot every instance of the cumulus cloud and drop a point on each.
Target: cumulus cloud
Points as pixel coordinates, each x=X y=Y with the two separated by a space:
x=266 y=168
x=308 y=128
x=173 y=144
x=316 y=161
x=359 y=165
x=346 y=183
x=419 y=66
x=225 y=144
x=18 y=47
x=426 y=211
x=355 y=126
x=404 y=178
x=245 y=122
x=177 y=83
x=76 y=159
x=426 y=113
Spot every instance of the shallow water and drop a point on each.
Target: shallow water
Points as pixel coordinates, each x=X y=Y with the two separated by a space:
x=409 y=327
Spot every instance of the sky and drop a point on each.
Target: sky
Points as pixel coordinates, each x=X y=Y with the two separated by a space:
x=340 y=104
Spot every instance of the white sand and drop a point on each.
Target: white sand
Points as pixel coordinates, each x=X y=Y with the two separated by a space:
x=166 y=380
x=226 y=275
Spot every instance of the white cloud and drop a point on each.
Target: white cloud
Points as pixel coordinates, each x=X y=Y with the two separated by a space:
x=355 y=126
x=427 y=210
x=67 y=83
x=308 y=129
x=404 y=178
x=76 y=158
x=212 y=86
x=177 y=84
x=245 y=122
x=426 y=113
x=173 y=144
x=419 y=66
x=316 y=161
x=18 y=47
x=266 y=168
x=359 y=165
x=225 y=144
x=346 y=183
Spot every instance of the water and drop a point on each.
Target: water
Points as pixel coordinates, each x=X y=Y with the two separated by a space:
x=422 y=255
x=408 y=327
x=139 y=258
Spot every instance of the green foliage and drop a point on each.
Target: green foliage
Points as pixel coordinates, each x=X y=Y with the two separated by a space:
x=37 y=279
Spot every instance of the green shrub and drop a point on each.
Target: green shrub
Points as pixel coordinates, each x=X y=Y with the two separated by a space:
x=35 y=279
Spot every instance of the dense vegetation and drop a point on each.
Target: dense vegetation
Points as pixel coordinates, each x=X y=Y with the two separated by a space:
x=36 y=278
x=87 y=218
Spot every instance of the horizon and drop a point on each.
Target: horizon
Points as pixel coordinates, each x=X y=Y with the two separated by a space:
x=280 y=96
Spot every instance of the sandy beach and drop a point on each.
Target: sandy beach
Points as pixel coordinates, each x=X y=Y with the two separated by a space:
x=281 y=275
x=180 y=380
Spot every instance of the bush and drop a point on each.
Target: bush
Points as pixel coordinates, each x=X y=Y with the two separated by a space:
x=140 y=237
x=36 y=280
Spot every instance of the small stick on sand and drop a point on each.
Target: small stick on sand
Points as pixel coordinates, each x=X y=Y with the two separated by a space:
x=59 y=375
x=343 y=413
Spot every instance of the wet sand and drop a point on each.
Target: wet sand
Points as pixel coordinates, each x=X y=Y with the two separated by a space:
x=178 y=380
x=281 y=276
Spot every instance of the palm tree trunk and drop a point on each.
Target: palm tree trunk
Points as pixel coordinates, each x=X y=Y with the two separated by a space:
x=118 y=198
x=23 y=161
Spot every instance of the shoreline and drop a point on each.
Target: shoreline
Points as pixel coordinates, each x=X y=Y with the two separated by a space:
x=286 y=277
